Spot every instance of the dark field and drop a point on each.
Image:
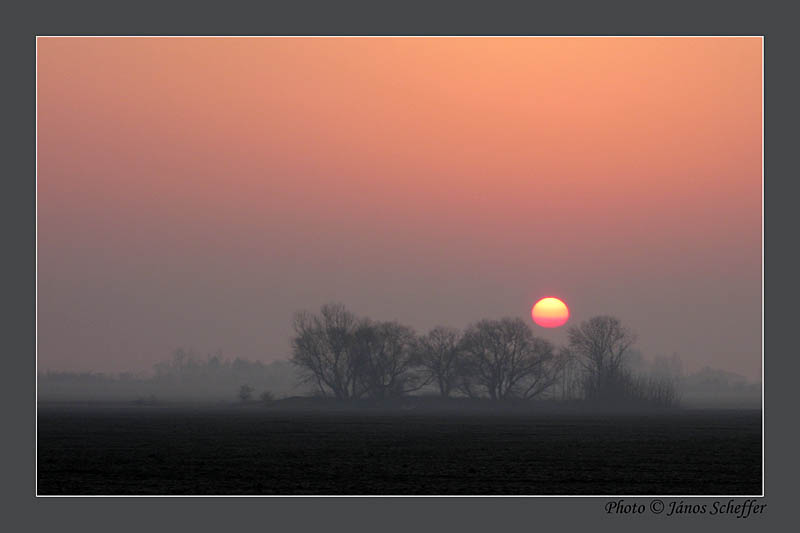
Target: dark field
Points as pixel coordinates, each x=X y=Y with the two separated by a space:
x=229 y=450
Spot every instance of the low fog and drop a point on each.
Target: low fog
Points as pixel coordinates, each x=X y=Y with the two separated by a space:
x=340 y=356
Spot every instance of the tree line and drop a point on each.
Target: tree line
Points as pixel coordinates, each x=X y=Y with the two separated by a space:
x=347 y=357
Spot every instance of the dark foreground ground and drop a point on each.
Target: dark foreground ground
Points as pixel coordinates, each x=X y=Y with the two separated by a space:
x=245 y=450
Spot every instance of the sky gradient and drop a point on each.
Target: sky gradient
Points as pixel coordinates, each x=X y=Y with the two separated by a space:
x=198 y=192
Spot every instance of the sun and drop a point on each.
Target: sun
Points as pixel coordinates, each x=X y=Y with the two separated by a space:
x=550 y=312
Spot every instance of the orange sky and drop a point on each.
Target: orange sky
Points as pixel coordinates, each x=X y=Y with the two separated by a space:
x=196 y=192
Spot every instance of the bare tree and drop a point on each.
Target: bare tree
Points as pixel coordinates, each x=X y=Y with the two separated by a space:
x=245 y=393
x=506 y=360
x=324 y=347
x=662 y=391
x=387 y=351
x=666 y=378
x=440 y=353
x=569 y=375
x=601 y=345
x=267 y=397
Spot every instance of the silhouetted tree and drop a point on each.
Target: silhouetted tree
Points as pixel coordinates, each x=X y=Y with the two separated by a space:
x=267 y=397
x=324 y=348
x=440 y=355
x=662 y=391
x=389 y=360
x=569 y=376
x=245 y=393
x=505 y=359
x=601 y=344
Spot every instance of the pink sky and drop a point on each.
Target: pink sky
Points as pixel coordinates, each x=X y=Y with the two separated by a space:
x=197 y=192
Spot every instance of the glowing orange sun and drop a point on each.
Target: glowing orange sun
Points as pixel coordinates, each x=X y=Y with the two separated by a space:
x=550 y=313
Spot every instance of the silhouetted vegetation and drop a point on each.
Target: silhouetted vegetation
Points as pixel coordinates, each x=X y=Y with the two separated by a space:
x=441 y=358
x=185 y=376
x=603 y=348
x=246 y=393
x=347 y=357
x=504 y=360
x=266 y=397
x=338 y=355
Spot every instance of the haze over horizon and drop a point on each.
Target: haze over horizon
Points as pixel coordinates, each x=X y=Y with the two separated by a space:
x=196 y=192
